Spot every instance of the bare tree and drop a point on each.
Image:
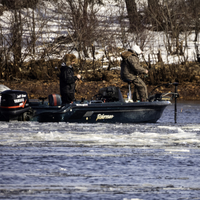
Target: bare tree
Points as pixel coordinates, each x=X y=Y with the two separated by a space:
x=194 y=7
x=79 y=22
x=133 y=15
x=14 y=40
x=20 y=38
x=194 y=10
x=172 y=18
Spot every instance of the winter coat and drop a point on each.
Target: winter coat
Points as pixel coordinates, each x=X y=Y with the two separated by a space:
x=67 y=79
x=130 y=66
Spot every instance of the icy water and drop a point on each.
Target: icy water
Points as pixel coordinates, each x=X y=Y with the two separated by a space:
x=103 y=161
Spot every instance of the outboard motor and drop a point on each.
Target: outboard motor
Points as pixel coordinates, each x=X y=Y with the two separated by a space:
x=14 y=105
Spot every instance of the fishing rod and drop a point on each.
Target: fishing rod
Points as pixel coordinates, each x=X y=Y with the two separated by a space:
x=148 y=64
x=80 y=56
x=175 y=95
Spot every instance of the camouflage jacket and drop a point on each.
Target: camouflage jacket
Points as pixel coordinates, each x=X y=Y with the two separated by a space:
x=130 y=66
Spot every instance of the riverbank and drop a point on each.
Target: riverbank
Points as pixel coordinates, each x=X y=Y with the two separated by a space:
x=87 y=87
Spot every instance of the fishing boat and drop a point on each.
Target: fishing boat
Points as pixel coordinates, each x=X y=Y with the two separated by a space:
x=108 y=106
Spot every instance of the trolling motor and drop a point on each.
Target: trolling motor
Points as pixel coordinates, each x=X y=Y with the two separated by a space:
x=162 y=96
x=175 y=95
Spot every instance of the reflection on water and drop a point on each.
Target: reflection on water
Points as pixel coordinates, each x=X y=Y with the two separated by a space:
x=102 y=161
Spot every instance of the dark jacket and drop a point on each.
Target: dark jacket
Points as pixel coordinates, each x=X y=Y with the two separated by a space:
x=130 y=66
x=67 y=79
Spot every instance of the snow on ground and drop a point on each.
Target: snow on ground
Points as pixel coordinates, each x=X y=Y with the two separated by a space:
x=155 y=41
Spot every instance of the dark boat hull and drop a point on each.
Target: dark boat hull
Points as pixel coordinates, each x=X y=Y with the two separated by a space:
x=113 y=112
x=109 y=107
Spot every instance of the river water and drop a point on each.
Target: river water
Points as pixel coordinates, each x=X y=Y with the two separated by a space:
x=103 y=161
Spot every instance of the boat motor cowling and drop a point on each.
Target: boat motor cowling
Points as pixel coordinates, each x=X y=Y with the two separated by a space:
x=14 y=103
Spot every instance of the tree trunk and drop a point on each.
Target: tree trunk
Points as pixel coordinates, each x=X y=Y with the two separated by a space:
x=33 y=33
x=132 y=14
x=153 y=4
x=84 y=26
x=155 y=13
x=17 y=38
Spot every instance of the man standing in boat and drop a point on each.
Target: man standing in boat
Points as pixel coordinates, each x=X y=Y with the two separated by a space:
x=131 y=69
x=67 y=79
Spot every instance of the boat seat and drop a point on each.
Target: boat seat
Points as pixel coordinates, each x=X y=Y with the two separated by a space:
x=129 y=88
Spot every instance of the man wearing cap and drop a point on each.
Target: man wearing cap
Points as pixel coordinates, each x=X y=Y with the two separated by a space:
x=131 y=69
x=67 y=79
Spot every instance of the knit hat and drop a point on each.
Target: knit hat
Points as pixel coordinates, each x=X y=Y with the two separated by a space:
x=69 y=58
x=72 y=57
x=136 y=48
